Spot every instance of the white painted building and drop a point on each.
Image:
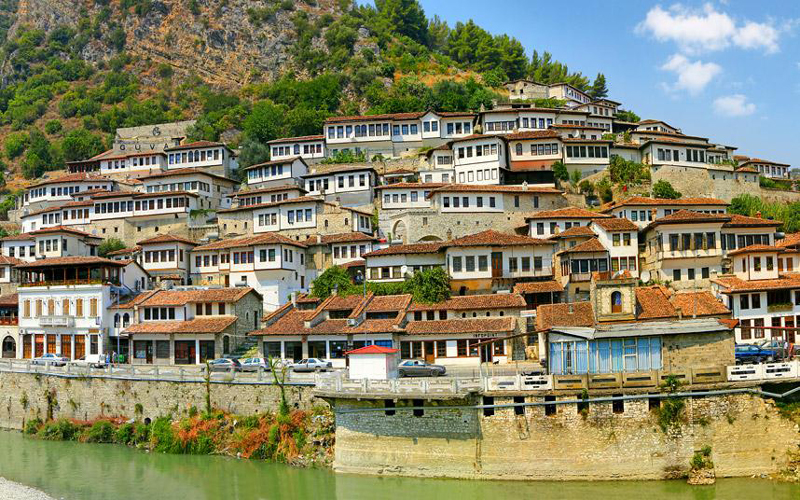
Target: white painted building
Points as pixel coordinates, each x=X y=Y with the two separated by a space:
x=214 y=157
x=479 y=159
x=276 y=172
x=311 y=148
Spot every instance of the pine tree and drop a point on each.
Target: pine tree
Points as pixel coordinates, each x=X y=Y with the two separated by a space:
x=405 y=17
x=599 y=89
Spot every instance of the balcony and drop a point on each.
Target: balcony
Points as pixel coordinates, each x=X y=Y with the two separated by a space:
x=780 y=307
x=62 y=321
x=579 y=277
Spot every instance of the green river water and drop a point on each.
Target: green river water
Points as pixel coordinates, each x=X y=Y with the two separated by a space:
x=92 y=471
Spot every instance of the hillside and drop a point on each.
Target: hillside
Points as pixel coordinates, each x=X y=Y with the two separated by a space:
x=249 y=71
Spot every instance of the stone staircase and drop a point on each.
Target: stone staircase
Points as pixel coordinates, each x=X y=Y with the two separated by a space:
x=247 y=349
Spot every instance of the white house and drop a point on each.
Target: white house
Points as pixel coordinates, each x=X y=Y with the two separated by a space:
x=167 y=257
x=350 y=185
x=276 y=172
x=311 y=148
x=214 y=157
x=479 y=159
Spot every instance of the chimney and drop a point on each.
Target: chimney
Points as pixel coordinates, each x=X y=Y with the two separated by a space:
x=758 y=214
x=294 y=299
x=570 y=309
x=680 y=313
x=525 y=186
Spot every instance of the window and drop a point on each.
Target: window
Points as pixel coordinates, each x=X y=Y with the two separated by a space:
x=755 y=301
x=704 y=273
x=470 y=263
x=483 y=263
x=456 y=264
x=676 y=275
x=690 y=273
x=744 y=302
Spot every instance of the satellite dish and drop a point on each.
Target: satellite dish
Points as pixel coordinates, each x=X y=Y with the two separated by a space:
x=645 y=276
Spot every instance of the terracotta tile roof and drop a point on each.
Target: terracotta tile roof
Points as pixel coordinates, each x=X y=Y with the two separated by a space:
x=732 y=284
x=573 y=232
x=70 y=261
x=573 y=314
x=645 y=201
x=567 y=213
x=340 y=303
x=400 y=171
x=729 y=322
x=384 y=303
x=534 y=134
x=10 y=300
x=187 y=171
x=586 y=141
x=301 y=138
x=89 y=192
x=487 y=188
x=125 y=251
x=490 y=237
x=352 y=236
x=340 y=326
x=291 y=323
x=470 y=302
x=765 y=162
x=196 y=144
x=182 y=297
x=386 y=116
x=756 y=249
x=335 y=169
x=301 y=199
x=616 y=224
x=166 y=238
x=588 y=246
x=285 y=187
x=275 y=162
x=61 y=229
x=653 y=303
x=78 y=177
x=17 y=237
x=698 y=304
x=457 y=326
x=407 y=249
x=211 y=324
x=354 y=263
x=10 y=261
x=749 y=170
x=789 y=240
x=262 y=239
x=412 y=185
x=689 y=217
x=372 y=349
x=166 y=193
x=745 y=221
x=538 y=287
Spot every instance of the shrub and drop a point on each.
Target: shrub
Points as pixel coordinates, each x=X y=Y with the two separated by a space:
x=32 y=426
x=60 y=430
x=141 y=433
x=162 y=436
x=53 y=127
x=124 y=434
x=101 y=431
x=663 y=189
x=15 y=144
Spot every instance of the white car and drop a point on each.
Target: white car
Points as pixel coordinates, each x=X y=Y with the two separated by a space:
x=253 y=364
x=50 y=359
x=312 y=365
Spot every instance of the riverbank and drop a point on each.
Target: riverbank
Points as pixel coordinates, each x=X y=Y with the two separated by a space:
x=297 y=438
x=9 y=490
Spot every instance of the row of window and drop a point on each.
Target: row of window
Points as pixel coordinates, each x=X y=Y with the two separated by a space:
x=482 y=174
x=181 y=186
x=465 y=348
x=137 y=161
x=605 y=356
x=51 y=245
x=691 y=241
x=355 y=251
x=66 y=308
x=60 y=191
x=403 y=197
x=265 y=171
x=621 y=239
x=113 y=207
x=539 y=149
x=308 y=149
x=755 y=328
x=691 y=274
x=515 y=264
x=457 y=128
x=162 y=256
x=194 y=156
x=587 y=151
x=463 y=201
x=300 y=215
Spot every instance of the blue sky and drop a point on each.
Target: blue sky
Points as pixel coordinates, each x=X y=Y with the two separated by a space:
x=726 y=70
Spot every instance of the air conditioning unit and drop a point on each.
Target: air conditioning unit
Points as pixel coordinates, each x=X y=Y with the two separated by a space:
x=352 y=322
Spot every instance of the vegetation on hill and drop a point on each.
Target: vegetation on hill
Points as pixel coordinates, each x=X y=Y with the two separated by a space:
x=57 y=106
x=426 y=286
x=788 y=213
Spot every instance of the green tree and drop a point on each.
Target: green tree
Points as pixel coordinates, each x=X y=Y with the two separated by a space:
x=429 y=286
x=404 y=17
x=627 y=116
x=438 y=32
x=265 y=122
x=663 y=189
x=599 y=89
x=80 y=144
x=109 y=245
x=575 y=177
x=15 y=144
x=560 y=171
x=627 y=172
x=333 y=277
x=604 y=190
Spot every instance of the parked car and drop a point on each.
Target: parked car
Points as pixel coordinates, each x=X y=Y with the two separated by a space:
x=312 y=365
x=253 y=364
x=748 y=353
x=224 y=365
x=420 y=368
x=93 y=360
x=50 y=359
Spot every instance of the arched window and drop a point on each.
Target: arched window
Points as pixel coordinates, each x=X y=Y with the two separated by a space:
x=126 y=320
x=518 y=148
x=116 y=320
x=226 y=344
x=616 y=302
x=9 y=347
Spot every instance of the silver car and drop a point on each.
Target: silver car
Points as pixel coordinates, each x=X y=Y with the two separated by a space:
x=420 y=368
x=50 y=359
x=312 y=365
x=253 y=364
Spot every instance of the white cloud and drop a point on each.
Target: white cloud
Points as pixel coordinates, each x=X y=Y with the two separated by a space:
x=706 y=29
x=692 y=76
x=734 y=105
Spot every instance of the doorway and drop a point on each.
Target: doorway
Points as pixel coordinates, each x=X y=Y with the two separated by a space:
x=487 y=351
x=293 y=350
x=430 y=351
x=80 y=346
x=497 y=264
x=9 y=347
x=185 y=353
x=66 y=346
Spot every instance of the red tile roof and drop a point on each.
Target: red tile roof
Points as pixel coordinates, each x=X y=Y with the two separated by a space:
x=166 y=238
x=78 y=177
x=653 y=303
x=745 y=221
x=407 y=249
x=289 y=201
x=187 y=171
x=61 y=229
x=588 y=246
x=574 y=231
x=572 y=314
x=488 y=188
x=387 y=303
x=210 y=324
x=125 y=251
x=644 y=201
x=538 y=287
x=352 y=236
x=616 y=224
x=302 y=138
x=689 y=217
x=10 y=300
x=412 y=185
x=732 y=284
x=285 y=187
x=756 y=249
x=387 y=116
x=789 y=240
x=70 y=261
x=182 y=297
x=534 y=134
x=372 y=349
x=262 y=239
x=490 y=237
x=196 y=144
x=698 y=304
x=461 y=326
x=10 y=261
x=473 y=302
x=567 y=213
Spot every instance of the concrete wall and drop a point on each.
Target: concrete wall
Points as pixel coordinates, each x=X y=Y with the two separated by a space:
x=746 y=434
x=24 y=396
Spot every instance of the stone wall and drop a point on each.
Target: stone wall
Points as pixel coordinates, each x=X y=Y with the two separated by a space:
x=705 y=183
x=698 y=350
x=25 y=396
x=746 y=434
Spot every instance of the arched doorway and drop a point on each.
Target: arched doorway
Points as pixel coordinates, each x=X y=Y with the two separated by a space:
x=399 y=231
x=226 y=344
x=9 y=347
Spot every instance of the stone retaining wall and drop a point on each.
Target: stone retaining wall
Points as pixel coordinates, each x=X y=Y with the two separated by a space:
x=746 y=434
x=25 y=396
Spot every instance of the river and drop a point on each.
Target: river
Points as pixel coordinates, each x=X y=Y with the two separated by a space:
x=76 y=471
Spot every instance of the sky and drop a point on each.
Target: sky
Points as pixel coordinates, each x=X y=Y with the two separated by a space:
x=726 y=70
